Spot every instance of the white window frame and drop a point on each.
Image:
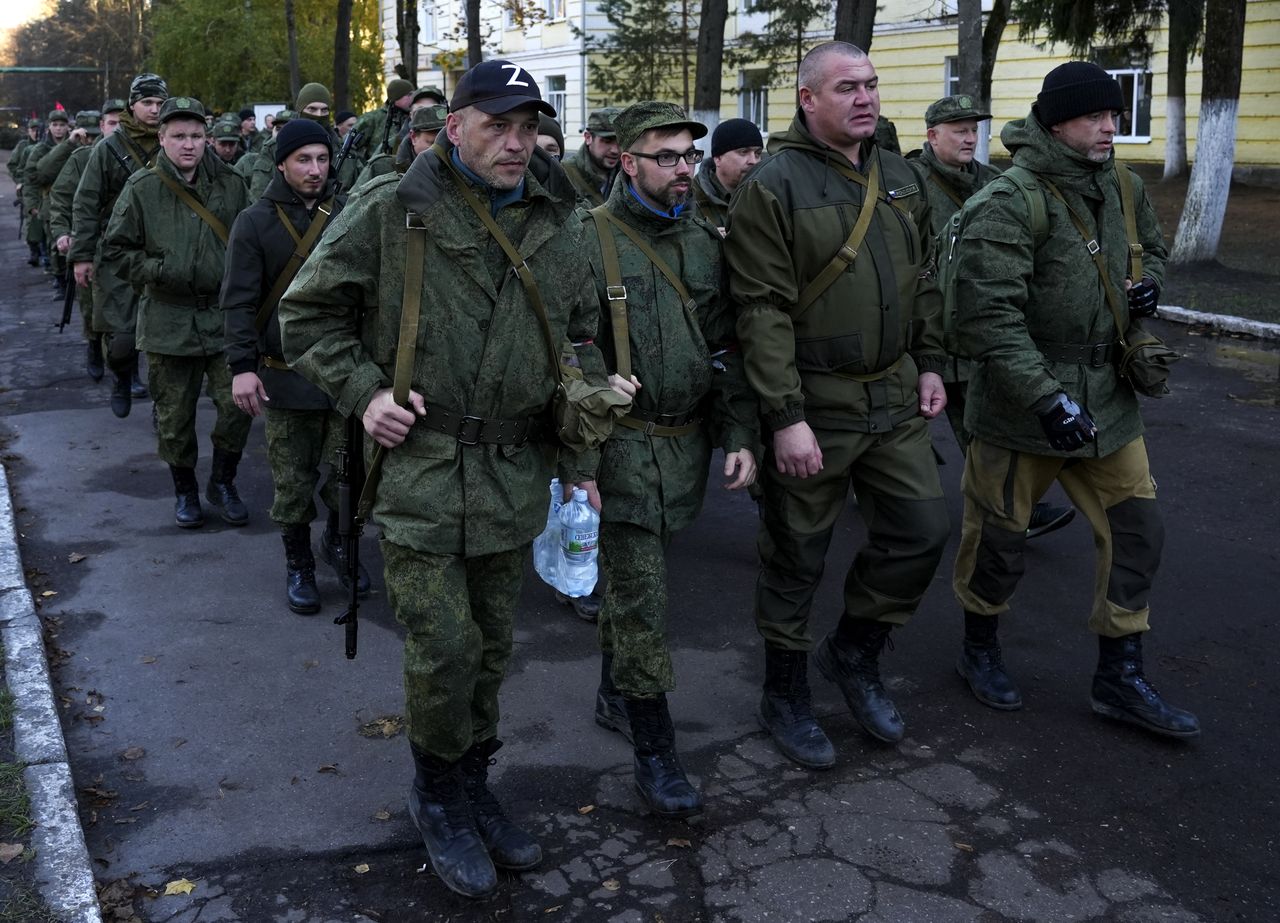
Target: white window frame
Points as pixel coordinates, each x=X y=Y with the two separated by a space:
x=557 y=10
x=951 y=75
x=753 y=101
x=1141 y=77
x=427 y=21
x=558 y=97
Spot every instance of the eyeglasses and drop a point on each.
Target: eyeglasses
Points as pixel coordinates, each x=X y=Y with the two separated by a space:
x=692 y=157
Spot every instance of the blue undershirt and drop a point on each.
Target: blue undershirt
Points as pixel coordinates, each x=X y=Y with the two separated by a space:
x=498 y=198
x=672 y=215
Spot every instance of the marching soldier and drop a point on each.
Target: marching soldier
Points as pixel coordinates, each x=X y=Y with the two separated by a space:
x=35 y=192
x=424 y=126
x=381 y=127
x=593 y=167
x=312 y=104
x=660 y=277
x=736 y=148
x=17 y=161
x=832 y=263
x=167 y=236
x=226 y=142
x=133 y=146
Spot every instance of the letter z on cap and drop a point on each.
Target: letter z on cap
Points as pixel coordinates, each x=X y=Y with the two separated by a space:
x=497 y=87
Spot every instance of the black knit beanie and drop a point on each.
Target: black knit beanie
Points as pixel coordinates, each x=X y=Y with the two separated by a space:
x=299 y=133
x=732 y=134
x=1074 y=89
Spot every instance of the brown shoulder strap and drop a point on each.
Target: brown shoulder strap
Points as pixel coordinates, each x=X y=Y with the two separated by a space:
x=946 y=187
x=582 y=182
x=658 y=262
x=848 y=251
x=302 y=250
x=192 y=203
x=615 y=292
x=1136 y=250
x=131 y=150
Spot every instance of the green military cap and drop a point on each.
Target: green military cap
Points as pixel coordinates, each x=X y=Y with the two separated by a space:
x=113 y=105
x=953 y=109
x=636 y=119
x=283 y=116
x=226 y=129
x=601 y=122
x=35 y=123
x=181 y=107
x=429 y=118
x=423 y=92
x=59 y=115
x=88 y=120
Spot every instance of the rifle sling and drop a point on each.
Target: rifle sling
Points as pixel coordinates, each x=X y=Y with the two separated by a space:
x=946 y=187
x=302 y=250
x=193 y=203
x=1136 y=250
x=848 y=251
x=579 y=179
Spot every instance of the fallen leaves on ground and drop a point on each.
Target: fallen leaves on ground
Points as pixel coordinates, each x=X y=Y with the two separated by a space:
x=76 y=557
x=362 y=868
x=134 y=753
x=10 y=851
x=611 y=884
x=331 y=768
x=383 y=726
x=586 y=809
x=680 y=842
x=384 y=814
x=179 y=886
x=149 y=659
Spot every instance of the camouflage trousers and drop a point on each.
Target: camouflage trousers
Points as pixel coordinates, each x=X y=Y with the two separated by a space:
x=633 y=617
x=298 y=443
x=457 y=613
x=175 y=387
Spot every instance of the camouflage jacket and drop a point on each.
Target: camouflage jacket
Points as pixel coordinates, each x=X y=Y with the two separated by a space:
x=593 y=186
x=881 y=315
x=382 y=164
x=480 y=347
x=63 y=192
x=258 y=251
x=657 y=482
x=102 y=182
x=160 y=245
x=1012 y=294
x=711 y=197
x=371 y=126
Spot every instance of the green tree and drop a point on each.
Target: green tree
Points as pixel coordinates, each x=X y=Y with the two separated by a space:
x=782 y=44
x=644 y=54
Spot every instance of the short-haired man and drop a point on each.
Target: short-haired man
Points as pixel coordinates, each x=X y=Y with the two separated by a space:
x=593 y=167
x=842 y=339
x=380 y=129
x=736 y=148
x=84 y=131
x=134 y=146
x=343 y=122
x=250 y=137
x=462 y=493
x=1037 y=314
x=167 y=237
x=654 y=467
x=303 y=432
x=226 y=141
x=424 y=126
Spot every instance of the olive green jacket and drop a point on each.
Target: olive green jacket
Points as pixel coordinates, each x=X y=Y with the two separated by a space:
x=788 y=218
x=16 y=158
x=711 y=197
x=33 y=192
x=160 y=245
x=1012 y=293
x=658 y=482
x=63 y=191
x=101 y=184
x=593 y=186
x=47 y=171
x=480 y=347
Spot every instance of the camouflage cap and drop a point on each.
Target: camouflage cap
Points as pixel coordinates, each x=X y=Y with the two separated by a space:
x=35 y=123
x=424 y=92
x=600 y=122
x=113 y=105
x=283 y=117
x=145 y=86
x=88 y=120
x=59 y=115
x=953 y=109
x=636 y=119
x=429 y=118
x=178 y=107
x=226 y=129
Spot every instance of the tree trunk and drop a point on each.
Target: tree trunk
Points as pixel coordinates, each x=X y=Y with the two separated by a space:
x=407 y=39
x=855 y=21
x=709 y=66
x=342 y=57
x=997 y=19
x=969 y=47
x=475 y=51
x=1183 y=28
x=1201 y=226
x=291 y=33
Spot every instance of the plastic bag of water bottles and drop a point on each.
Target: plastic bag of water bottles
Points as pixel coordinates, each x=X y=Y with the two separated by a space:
x=564 y=555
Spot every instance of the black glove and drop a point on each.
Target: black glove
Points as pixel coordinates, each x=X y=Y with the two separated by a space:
x=1143 y=297
x=1066 y=423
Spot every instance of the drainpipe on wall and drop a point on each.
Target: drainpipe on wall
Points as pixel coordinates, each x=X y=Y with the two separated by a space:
x=582 y=71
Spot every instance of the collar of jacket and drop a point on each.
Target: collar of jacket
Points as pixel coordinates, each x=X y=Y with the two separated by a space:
x=642 y=214
x=146 y=137
x=199 y=182
x=962 y=178
x=1036 y=149
x=498 y=198
x=279 y=190
x=709 y=180
x=423 y=184
x=797 y=137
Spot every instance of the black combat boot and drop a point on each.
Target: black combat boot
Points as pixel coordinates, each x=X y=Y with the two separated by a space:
x=137 y=390
x=334 y=553
x=786 y=710
x=510 y=847
x=186 y=511
x=121 y=399
x=1121 y=691
x=33 y=257
x=221 y=489
x=300 y=564
x=60 y=285
x=439 y=809
x=849 y=657
x=660 y=779
x=93 y=363
x=611 y=707
x=586 y=607
x=981 y=665
x=1046 y=518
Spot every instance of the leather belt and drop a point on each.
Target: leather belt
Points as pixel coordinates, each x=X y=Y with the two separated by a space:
x=272 y=362
x=1095 y=355
x=470 y=430
x=182 y=300
x=661 y=424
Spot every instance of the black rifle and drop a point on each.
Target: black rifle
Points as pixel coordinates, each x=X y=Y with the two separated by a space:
x=353 y=138
x=69 y=301
x=22 y=215
x=349 y=467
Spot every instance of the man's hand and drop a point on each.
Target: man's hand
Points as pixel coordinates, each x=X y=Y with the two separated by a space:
x=1066 y=424
x=933 y=394
x=623 y=387
x=389 y=423
x=84 y=272
x=744 y=463
x=1144 y=296
x=795 y=450
x=593 y=493
x=79 y=136
x=248 y=393
x=63 y=243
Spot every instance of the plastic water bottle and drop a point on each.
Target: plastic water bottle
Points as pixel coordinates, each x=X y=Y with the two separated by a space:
x=546 y=547
x=579 y=540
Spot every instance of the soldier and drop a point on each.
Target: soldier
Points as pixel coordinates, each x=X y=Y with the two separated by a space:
x=133 y=146
x=249 y=161
x=46 y=171
x=34 y=192
x=343 y=122
x=736 y=148
x=34 y=127
x=226 y=142
x=167 y=236
x=463 y=488
x=381 y=127
x=949 y=175
x=313 y=104
x=303 y=432
x=61 y=198
x=550 y=137
x=250 y=137
x=654 y=470
x=1046 y=401
x=593 y=167
x=843 y=344
x=425 y=125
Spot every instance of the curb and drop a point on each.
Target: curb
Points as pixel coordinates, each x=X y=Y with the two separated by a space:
x=1220 y=322
x=63 y=872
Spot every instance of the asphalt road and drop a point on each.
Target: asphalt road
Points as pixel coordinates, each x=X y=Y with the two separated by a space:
x=215 y=737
